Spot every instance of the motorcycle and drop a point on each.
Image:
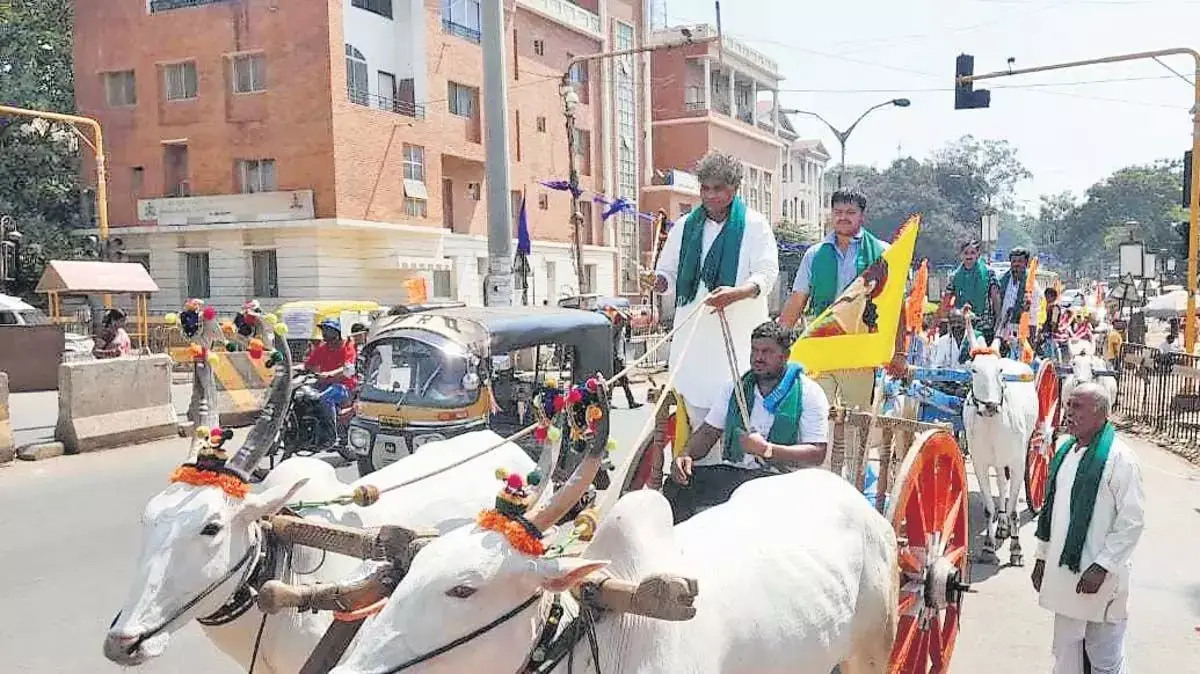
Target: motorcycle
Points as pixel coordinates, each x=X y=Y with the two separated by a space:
x=303 y=431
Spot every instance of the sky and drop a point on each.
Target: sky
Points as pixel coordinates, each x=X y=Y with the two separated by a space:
x=1071 y=128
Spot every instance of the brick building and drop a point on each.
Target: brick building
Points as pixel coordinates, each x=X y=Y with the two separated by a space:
x=706 y=97
x=331 y=149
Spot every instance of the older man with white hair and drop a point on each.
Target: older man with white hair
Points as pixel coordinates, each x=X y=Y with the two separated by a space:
x=722 y=255
x=1088 y=530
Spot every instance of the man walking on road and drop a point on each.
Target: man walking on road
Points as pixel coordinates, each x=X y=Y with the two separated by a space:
x=825 y=271
x=721 y=256
x=1091 y=523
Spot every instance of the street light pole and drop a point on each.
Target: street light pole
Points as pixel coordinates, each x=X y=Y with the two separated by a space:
x=498 y=290
x=843 y=136
x=570 y=99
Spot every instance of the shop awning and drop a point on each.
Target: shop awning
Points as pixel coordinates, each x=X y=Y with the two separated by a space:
x=86 y=277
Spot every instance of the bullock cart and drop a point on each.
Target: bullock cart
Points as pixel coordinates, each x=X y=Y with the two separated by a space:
x=921 y=489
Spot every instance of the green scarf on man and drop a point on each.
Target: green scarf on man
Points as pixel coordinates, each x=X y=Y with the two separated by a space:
x=823 y=278
x=785 y=401
x=1018 y=308
x=720 y=266
x=971 y=285
x=1083 y=494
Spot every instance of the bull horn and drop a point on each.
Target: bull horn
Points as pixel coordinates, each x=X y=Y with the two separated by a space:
x=561 y=502
x=269 y=425
x=547 y=462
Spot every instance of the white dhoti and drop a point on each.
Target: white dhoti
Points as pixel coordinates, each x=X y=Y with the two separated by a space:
x=1103 y=644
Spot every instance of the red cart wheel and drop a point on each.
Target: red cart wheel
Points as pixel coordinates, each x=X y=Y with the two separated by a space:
x=648 y=457
x=929 y=511
x=1041 y=443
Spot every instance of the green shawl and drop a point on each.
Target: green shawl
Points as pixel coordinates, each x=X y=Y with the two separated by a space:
x=785 y=402
x=823 y=278
x=1083 y=494
x=721 y=264
x=1018 y=308
x=971 y=286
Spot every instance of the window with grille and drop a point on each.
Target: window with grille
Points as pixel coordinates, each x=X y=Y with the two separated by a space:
x=541 y=124
x=249 y=73
x=539 y=47
x=624 y=84
x=357 y=85
x=767 y=180
x=120 y=89
x=196 y=275
x=256 y=175
x=461 y=18
x=380 y=7
x=180 y=80
x=544 y=201
x=461 y=99
x=416 y=208
x=414 y=162
x=264 y=268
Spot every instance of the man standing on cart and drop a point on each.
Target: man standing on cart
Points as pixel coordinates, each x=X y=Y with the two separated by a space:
x=1011 y=297
x=971 y=285
x=723 y=255
x=825 y=271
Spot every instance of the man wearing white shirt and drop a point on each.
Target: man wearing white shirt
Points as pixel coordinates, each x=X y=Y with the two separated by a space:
x=1086 y=536
x=788 y=428
x=1009 y=294
x=723 y=255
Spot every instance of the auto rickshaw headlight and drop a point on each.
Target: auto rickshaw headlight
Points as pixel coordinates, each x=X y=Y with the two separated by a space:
x=359 y=438
x=470 y=381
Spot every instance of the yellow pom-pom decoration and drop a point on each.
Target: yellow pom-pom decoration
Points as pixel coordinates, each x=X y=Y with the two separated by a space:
x=203 y=432
x=281 y=329
x=551 y=382
x=195 y=350
x=256 y=345
x=611 y=445
x=271 y=319
x=212 y=359
x=171 y=319
x=553 y=434
x=228 y=326
x=501 y=474
x=594 y=413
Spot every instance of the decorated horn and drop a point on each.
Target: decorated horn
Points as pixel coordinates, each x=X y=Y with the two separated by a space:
x=269 y=425
x=547 y=462
x=561 y=502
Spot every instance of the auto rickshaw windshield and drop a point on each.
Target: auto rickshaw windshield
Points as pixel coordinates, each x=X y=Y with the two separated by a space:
x=428 y=372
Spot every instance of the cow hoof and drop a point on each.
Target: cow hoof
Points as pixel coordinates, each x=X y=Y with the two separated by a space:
x=1002 y=532
x=986 y=556
x=1016 y=559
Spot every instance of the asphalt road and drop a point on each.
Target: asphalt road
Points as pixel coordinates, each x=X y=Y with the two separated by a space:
x=69 y=535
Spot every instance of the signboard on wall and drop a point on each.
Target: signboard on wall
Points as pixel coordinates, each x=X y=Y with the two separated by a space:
x=220 y=208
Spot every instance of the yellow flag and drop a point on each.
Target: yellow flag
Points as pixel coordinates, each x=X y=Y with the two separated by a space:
x=859 y=329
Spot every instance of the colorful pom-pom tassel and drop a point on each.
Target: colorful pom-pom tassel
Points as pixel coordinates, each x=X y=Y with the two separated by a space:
x=281 y=329
x=209 y=313
x=554 y=435
x=534 y=478
x=171 y=319
x=501 y=474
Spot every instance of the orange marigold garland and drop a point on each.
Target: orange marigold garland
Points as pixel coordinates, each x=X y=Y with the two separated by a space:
x=196 y=477
x=983 y=351
x=517 y=535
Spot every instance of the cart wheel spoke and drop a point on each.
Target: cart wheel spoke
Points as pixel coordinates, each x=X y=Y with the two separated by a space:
x=956 y=555
x=902 y=648
x=909 y=563
x=950 y=517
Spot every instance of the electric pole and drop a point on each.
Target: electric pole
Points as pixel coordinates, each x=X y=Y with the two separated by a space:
x=498 y=288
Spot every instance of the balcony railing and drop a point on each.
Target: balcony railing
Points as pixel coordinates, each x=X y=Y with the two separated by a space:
x=388 y=103
x=567 y=13
x=168 y=5
x=756 y=57
x=458 y=30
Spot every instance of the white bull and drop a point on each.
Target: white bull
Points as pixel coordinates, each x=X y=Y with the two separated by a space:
x=193 y=537
x=1084 y=366
x=796 y=573
x=999 y=417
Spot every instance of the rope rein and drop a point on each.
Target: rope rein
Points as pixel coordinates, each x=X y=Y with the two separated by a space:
x=734 y=373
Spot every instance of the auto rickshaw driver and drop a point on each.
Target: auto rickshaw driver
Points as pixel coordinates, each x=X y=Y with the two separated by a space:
x=333 y=361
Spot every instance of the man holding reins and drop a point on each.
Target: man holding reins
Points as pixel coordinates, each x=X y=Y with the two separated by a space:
x=825 y=271
x=723 y=255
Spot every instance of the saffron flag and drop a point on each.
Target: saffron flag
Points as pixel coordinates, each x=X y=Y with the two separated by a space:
x=859 y=329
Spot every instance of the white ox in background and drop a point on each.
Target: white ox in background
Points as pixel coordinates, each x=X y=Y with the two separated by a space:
x=999 y=417
x=1084 y=366
x=796 y=573
x=194 y=536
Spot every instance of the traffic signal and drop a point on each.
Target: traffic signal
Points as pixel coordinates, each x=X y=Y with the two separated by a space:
x=1180 y=249
x=965 y=95
x=1187 y=179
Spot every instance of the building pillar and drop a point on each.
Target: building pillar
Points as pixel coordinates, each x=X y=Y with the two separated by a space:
x=775 y=113
x=754 y=103
x=732 y=96
x=707 y=83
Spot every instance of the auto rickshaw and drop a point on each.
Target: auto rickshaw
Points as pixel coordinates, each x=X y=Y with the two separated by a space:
x=440 y=373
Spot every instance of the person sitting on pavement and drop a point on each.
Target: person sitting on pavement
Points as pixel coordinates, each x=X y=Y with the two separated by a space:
x=113 y=341
x=1087 y=532
x=788 y=429
x=333 y=361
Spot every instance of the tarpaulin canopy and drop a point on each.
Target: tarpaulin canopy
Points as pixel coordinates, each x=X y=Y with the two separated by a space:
x=83 y=277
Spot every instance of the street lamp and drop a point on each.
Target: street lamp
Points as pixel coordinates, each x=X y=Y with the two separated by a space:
x=843 y=136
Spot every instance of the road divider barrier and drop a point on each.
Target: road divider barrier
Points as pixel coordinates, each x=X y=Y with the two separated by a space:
x=114 y=402
x=6 y=433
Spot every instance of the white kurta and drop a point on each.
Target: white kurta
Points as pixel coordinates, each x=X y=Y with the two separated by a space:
x=1115 y=528
x=700 y=375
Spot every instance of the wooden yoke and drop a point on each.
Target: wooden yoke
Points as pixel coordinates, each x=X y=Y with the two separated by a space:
x=387 y=543
x=660 y=596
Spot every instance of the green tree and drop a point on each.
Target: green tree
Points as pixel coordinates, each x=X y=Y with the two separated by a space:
x=39 y=162
x=973 y=175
